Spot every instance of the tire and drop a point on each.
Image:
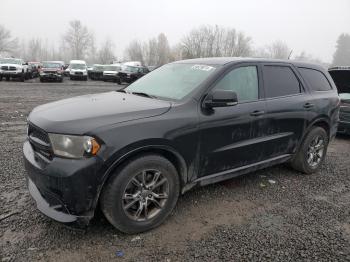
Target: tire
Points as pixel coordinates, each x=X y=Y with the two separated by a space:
x=41 y=80
x=300 y=161
x=7 y=78
x=23 y=77
x=113 y=204
x=71 y=78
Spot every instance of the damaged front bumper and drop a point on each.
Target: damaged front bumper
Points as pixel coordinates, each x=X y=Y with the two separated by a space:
x=65 y=190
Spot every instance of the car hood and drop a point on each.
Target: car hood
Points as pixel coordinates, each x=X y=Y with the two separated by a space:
x=83 y=114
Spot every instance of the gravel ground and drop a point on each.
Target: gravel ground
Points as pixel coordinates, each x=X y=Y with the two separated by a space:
x=293 y=217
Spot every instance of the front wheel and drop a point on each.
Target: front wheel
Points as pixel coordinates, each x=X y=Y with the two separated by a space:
x=312 y=151
x=141 y=194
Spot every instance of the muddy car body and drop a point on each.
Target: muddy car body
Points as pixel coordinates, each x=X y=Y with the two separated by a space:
x=187 y=123
x=341 y=77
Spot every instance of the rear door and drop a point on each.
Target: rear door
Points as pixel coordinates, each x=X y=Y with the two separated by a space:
x=287 y=104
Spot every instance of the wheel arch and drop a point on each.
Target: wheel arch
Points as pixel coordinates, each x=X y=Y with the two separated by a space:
x=166 y=151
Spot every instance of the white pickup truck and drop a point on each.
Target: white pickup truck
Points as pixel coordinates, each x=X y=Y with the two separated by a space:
x=13 y=68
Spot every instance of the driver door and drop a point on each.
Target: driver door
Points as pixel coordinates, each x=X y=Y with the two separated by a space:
x=228 y=135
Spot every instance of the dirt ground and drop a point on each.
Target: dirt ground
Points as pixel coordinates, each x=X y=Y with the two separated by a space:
x=276 y=214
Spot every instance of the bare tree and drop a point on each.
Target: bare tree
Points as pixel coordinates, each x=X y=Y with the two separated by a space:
x=78 y=39
x=134 y=51
x=209 y=41
x=278 y=50
x=106 y=53
x=341 y=56
x=8 y=44
x=34 y=49
x=163 y=50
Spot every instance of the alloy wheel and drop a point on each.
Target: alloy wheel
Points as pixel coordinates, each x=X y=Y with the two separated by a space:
x=145 y=195
x=315 y=151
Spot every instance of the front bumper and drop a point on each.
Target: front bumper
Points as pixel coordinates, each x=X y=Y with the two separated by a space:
x=343 y=127
x=51 y=76
x=11 y=73
x=65 y=190
x=110 y=77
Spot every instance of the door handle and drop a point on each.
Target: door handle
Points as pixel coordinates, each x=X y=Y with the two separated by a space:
x=257 y=113
x=309 y=105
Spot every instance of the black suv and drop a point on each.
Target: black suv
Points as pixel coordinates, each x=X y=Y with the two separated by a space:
x=129 y=74
x=187 y=123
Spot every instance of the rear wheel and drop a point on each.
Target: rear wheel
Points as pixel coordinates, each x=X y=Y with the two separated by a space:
x=312 y=152
x=141 y=194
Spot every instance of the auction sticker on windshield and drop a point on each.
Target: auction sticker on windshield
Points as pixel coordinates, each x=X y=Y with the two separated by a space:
x=202 y=67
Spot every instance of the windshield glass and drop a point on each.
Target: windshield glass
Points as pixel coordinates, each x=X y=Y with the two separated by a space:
x=98 y=67
x=51 y=65
x=173 y=81
x=78 y=66
x=112 y=68
x=131 y=69
x=10 y=61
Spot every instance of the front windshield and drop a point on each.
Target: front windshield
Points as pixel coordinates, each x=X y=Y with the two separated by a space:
x=98 y=67
x=131 y=69
x=78 y=66
x=112 y=68
x=10 y=61
x=173 y=81
x=51 y=65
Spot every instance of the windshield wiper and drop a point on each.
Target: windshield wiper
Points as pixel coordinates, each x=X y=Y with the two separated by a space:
x=136 y=93
x=143 y=94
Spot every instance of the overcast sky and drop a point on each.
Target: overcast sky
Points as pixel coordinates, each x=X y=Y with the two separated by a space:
x=305 y=25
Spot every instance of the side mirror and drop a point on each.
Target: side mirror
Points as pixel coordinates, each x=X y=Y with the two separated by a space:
x=221 y=98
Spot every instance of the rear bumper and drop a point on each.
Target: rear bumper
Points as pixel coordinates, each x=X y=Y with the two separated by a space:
x=65 y=190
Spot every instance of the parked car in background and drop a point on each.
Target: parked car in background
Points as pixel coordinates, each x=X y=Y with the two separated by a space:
x=78 y=70
x=188 y=123
x=129 y=73
x=133 y=63
x=14 y=68
x=110 y=73
x=341 y=77
x=34 y=68
x=97 y=72
x=51 y=71
x=151 y=68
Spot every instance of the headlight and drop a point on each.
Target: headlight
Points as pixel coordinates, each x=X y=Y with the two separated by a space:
x=74 y=146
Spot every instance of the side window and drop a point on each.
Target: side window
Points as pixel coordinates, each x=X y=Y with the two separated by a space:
x=316 y=80
x=280 y=81
x=243 y=81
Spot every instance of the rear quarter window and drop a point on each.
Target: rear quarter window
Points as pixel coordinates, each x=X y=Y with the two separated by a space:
x=316 y=80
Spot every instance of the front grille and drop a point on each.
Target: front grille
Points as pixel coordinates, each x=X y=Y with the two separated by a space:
x=8 y=68
x=50 y=72
x=40 y=141
x=79 y=73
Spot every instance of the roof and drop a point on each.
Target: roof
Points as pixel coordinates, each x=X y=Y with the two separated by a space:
x=227 y=60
